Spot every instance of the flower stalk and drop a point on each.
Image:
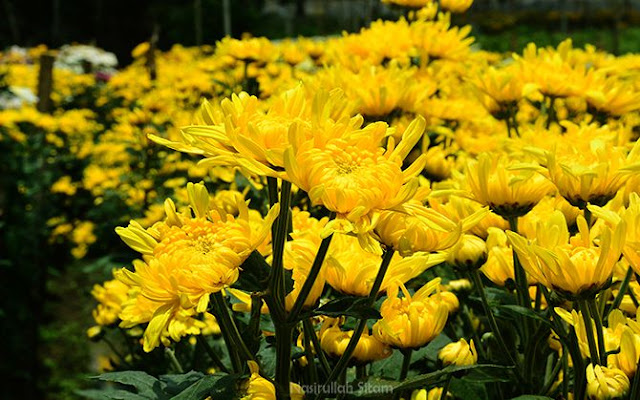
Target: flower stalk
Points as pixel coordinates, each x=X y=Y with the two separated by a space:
x=493 y=325
x=362 y=323
x=586 y=316
x=593 y=308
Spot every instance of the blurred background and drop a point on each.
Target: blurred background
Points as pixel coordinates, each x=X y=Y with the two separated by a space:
x=119 y=25
x=46 y=312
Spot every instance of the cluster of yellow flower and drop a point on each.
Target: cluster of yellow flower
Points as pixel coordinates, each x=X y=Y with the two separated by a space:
x=394 y=174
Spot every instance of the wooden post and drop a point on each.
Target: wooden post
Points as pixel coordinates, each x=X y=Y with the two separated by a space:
x=226 y=14
x=197 y=20
x=151 y=54
x=45 y=83
x=12 y=22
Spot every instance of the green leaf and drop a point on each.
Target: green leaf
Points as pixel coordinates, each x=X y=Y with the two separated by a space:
x=422 y=381
x=513 y=310
x=208 y=385
x=390 y=366
x=465 y=390
x=373 y=388
x=110 y=394
x=531 y=397
x=180 y=382
x=254 y=273
x=350 y=306
x=487 y=375
x=145 y=384
x=267 y=357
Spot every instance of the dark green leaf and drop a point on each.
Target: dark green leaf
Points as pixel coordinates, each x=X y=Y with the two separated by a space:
x=422 y=381
x=145 y=384
x=254 y=273
x=179 y=382
x=390 y=367
x=465 y=390
x=200 y=389
x=110 y=394
x=350 y=306
x=513 y=310
x=531 y=397
x=267 y=358
x=373 y=388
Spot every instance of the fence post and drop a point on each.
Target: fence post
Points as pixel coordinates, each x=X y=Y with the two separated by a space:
x=45 y=83
x=151 y=54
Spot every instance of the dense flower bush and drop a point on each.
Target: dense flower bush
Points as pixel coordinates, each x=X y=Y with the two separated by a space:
x=387 y=213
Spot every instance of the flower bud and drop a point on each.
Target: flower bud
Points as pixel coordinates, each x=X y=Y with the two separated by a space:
x=459 y=353
x=469 y=253
x=606 y=383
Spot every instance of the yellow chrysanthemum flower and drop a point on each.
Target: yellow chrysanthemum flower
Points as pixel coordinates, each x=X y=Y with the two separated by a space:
x=240 y=133
x=630 y=217
x=247 y=50
x=573 y=265
x=458 y=353
x=354 y=177
x=590 y=172
x=212 y=233
x=418 y=228
x=351 y=270
x=110 y=296
x=334 y=342
x=606 y=383
x=411 y=322
x=456 y=6
x=508 y=192
x=499 y=265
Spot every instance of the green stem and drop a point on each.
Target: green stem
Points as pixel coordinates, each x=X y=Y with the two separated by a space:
x=591 y=304
x=493 y=325
x=635 y=385
x=586 y=316
x=587 y=214
x=445 y=388
x=228 y=324
x=272 y=190
x=565 y=375
x=324 y=363
x=174 y=361
x=518 y=272
x=308 y=350
x=622 y=290
x=466 y=321
x=276 y=280
x=551 y=114
x=276 y=296
x=570 y=344
x=284 y=333
x=362 y=323
x=361 y=372
x=406 y=362
x=551 y=378
x=311 y=278
x=212 y=354
x=115 y=350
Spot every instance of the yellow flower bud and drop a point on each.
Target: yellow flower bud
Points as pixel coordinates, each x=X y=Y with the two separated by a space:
x=469 y=253
x=259 y=388
x=424 y=394
x=459 y=353
x=606 y=383
x=411 y=322
x=334 y=341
